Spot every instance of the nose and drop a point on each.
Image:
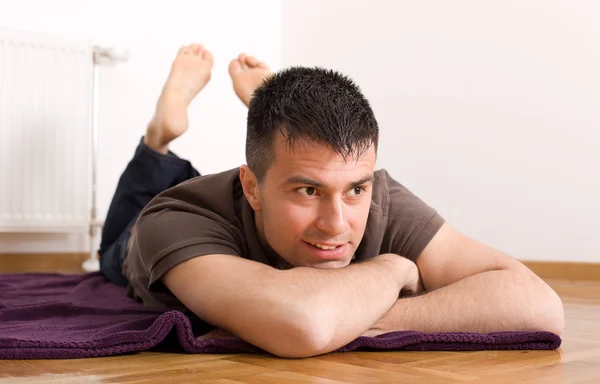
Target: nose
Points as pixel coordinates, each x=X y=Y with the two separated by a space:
x=332 y=216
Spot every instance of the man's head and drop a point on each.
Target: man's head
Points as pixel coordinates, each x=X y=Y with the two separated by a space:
x=311 y=148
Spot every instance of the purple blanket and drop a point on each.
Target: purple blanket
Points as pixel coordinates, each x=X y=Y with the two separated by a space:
x=54 y=316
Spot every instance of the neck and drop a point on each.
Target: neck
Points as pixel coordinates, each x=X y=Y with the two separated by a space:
x=276 y=260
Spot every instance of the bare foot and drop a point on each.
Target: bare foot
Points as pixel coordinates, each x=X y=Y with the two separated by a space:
x=189 y=74
x=247 y=73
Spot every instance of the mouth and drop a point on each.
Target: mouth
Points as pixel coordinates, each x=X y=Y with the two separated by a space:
x=326 y=246
x=327 y=251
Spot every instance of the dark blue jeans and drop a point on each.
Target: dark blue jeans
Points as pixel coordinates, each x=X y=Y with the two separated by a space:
x=147 y=174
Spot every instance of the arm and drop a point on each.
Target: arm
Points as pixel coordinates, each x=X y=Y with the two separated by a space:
x=473 y=289
x=292 y=313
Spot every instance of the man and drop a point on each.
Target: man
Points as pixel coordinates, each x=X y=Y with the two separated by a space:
x=307 y=247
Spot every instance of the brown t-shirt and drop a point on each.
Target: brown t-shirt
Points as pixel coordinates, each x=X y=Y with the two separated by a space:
x=210 y=215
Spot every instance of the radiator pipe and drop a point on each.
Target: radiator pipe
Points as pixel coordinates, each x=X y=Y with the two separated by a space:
x=93 y=263
x=102 y=56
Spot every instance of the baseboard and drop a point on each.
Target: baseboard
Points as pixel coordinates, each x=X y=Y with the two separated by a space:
x=564 y=270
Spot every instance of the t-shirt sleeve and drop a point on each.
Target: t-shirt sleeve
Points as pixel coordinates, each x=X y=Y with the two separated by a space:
x=172 y=232
x=411 y=223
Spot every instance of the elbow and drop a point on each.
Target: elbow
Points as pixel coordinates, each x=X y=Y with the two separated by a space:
x=546 y=308
x=556 y=321
x=303 y=336
x=551 y=315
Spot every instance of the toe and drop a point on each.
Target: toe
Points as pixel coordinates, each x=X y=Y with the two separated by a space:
x=235 y=67
x=252 y=61
x=184 y=50
x=197 y=48
x=242 y=59
x=207 y=56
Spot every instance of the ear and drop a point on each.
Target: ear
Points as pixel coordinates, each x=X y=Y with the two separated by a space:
x=250 y=187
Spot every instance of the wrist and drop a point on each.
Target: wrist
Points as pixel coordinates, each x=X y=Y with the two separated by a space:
x=396 y=267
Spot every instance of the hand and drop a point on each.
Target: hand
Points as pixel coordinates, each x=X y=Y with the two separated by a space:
x=406 y=273
x=413 y=285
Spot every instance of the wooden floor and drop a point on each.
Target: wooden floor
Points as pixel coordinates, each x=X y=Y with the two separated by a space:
x=577 y=361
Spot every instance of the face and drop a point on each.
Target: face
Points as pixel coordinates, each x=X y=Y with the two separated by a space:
x=312 y=206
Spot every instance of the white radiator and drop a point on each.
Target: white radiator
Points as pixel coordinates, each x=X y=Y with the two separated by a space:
x=46 y=107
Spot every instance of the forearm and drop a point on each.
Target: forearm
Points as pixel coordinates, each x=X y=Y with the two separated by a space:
x=492 y=301
x=293 y=313
x=342 y=303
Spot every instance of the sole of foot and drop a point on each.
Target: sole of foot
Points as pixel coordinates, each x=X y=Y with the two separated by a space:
x=190 y=72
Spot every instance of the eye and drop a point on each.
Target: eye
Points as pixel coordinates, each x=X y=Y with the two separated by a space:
x=356 y=191
x=308 y=191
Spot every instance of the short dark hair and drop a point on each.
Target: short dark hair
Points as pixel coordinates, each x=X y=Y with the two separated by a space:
x=315 y=104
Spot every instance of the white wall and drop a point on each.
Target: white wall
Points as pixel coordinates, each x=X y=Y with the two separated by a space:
x=489 y=111
x=153 y=32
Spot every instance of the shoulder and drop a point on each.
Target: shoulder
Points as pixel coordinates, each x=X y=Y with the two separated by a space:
x=389 y=193
x=202 y=209
x=195 y=218
x=410 y=223
x=214 y=192
x=384 y=182
x=206 y=187
x=381 y=193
